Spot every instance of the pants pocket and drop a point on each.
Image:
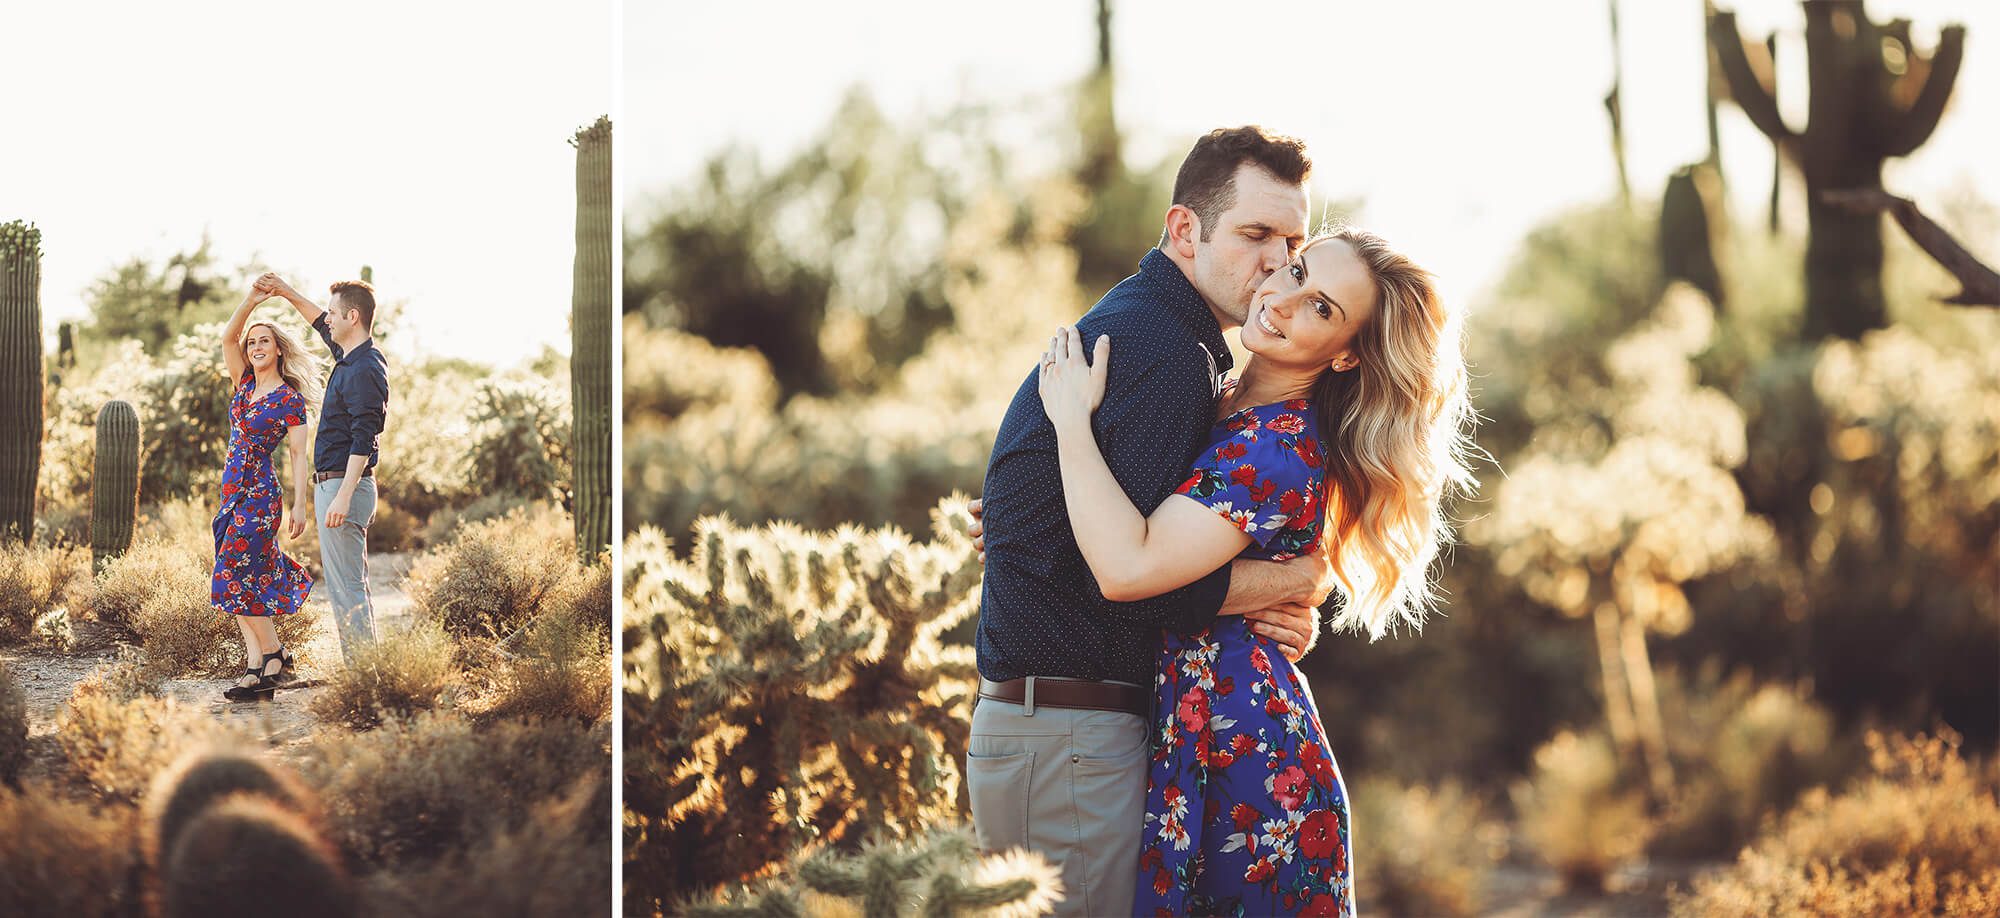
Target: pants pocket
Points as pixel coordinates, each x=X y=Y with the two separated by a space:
x=1110 y=798
x=999 y=786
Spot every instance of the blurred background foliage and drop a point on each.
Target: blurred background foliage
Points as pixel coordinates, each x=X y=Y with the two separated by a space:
x=1719 y=546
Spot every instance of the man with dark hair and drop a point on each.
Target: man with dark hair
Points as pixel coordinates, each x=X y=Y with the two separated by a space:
x=1058 y=753
x=346 y=448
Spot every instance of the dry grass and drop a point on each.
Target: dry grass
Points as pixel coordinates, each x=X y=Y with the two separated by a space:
x=65 y=857
x=116 y=734
x=562 y=670
x=1425 y=848
x=1921 y=835
x=414 y=791
x=398 y=676
x=159 y=591
x=36 y=580
x=555 y=863
x=496 y=575
x=1577 y=813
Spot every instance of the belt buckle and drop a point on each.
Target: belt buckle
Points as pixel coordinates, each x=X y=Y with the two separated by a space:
x=1028 y=697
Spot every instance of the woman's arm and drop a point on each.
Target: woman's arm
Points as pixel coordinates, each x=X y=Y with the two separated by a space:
x=300 y=455
x=1131 y=555
x=232 y=334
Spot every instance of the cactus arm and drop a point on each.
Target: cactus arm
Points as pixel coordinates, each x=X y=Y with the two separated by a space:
x=1914 y=126
x=1746 y=68
x=1980 y=285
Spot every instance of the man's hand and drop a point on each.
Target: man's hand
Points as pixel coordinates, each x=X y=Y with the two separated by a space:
x=1295 y=626
x=337 y=513
x=978 y=528
x=271 y=283
x=1316 y=572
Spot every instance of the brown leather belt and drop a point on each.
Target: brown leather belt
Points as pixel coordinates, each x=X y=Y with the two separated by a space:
x=329 y=476
x=1045 y=691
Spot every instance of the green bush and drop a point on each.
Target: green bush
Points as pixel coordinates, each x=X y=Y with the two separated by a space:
x=398 y=675
x=1428 y=850
x=1919 y=836
x=413 y=791
x=940 y=873
x=1578 y=812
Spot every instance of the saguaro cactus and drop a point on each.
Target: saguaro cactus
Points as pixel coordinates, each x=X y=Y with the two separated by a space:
x=114 y=483
x=1873 y=96
x=590 y=350
x=20 y=376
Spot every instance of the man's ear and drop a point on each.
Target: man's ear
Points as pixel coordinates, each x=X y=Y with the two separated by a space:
x=1183 y=228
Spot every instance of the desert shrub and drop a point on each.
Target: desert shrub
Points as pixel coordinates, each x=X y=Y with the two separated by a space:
x=159 y=591
x=1920 y=835
x=669 y=372
x=116 y=734
x=198 y=780
x=1577 y=812
x=1427 y=849
x=494 y=576
x=34 y=581
x=586 y=600
x=561 y=669
x=60 y=856
x=234 y=855
x=13 y=727
x=784 y=687
x=184 y=419
x=396 y=676
x=445 y=524
x=940 y=873
x=391 y=529
x=521 y=437
x=553 y=864
x=1742 y=753
x=412 y=791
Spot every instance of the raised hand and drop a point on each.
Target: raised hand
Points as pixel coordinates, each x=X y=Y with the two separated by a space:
x=978 y=528
x=1072 y=388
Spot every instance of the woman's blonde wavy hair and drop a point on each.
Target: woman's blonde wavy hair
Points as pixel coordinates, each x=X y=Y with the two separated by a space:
x=301 y=369
x=1397 y=434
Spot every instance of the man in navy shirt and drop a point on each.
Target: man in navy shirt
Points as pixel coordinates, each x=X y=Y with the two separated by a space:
x=1058 y=751
x=346 y=448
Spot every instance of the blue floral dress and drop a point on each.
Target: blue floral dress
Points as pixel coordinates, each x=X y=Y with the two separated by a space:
x=252 y=576
x=1246 y=813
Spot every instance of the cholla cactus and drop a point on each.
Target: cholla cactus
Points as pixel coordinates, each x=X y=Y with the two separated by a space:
x=941 y=874
x=784 y=689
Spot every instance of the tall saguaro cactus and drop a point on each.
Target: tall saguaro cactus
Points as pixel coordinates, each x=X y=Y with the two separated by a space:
x=591 y=342
x=1873 y=96
x=20 y=376
x=114 y=483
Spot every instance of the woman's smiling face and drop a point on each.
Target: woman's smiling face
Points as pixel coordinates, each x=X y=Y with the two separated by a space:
x=260 y=346
x=1308 y=312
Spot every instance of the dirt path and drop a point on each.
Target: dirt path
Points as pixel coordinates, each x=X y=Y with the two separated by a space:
x=285 y=722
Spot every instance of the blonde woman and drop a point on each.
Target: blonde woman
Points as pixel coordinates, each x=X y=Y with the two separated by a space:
x=1347 y=423
x=254 y=580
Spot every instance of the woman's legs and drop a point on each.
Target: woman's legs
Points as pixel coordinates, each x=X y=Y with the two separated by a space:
x=253 y=651
x=266 y=634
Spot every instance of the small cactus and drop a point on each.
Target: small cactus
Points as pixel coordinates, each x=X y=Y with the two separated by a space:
x=942 y=874
x=199 y=779
x=248 y=855
x=590 y=350
x=114 y=483
x=20 y=376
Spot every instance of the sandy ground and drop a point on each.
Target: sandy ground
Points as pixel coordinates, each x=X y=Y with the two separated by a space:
x=286 y=722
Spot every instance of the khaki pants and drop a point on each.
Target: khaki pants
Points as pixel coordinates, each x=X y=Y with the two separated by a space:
x=1069 y=784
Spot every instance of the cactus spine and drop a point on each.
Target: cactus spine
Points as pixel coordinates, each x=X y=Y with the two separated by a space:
x=590 y=351
x=114 y=483
x=20 y=376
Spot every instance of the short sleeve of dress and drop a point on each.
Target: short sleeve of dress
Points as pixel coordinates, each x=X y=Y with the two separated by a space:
x=294 y=406
x=1264 y=478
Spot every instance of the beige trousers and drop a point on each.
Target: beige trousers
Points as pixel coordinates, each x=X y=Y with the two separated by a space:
x=1067 y=783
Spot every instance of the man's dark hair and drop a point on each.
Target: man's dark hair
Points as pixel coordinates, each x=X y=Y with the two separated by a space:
x=1206 y=183
x=355 y=294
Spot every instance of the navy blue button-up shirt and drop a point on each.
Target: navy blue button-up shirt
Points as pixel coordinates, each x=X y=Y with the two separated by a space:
x=1041 y=612
x=357 y=396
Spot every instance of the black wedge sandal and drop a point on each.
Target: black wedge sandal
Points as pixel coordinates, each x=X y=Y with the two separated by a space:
x=285 y=673
x=266 y=686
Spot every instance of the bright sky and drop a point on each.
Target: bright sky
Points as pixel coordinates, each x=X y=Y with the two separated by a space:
x=428 y=140
x=1461 y=123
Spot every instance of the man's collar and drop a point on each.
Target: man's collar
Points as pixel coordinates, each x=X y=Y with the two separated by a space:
x=1186 y=304
x=348 y=354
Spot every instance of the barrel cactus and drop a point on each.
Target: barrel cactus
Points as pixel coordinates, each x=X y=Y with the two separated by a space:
x=20 y=376
x=114 y=483
x=590 y=351
x=199 y=780
x=249 y=855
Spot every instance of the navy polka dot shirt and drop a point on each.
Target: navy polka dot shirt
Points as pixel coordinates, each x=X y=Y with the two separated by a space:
x=1041 y=612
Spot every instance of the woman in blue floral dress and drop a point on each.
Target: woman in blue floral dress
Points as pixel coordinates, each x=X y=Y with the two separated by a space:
x=253 y=579
x=1349 y=414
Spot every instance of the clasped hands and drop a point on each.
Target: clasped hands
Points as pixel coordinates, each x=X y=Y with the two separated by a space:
x=1293 y=624
x=270 y=284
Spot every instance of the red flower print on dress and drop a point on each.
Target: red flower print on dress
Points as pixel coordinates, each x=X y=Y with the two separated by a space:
x=1234 y=449
x=1260 y=661
x=1261 y=491
x=1289 y=787
x=1193 y=711
x=1260 y=870
x=1319 y=834
x=1297 y=404
x=1286 y=424
x=1321 y=906
x=1243 y=420
x=1244 y=815
x=1276 y=706
x=1243 y=744
x=1245 y=475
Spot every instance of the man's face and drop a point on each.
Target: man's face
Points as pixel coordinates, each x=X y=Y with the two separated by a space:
x=1253 y=238
x=340 y=318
